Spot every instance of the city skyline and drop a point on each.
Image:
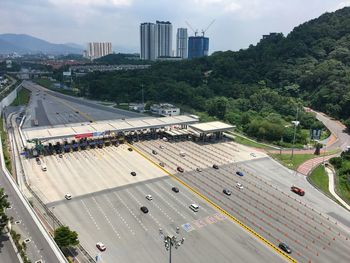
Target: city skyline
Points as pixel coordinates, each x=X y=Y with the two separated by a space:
x=238 y=23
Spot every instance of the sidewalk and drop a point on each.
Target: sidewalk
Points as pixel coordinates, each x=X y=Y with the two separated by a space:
x=330 y=173
x=306 y=167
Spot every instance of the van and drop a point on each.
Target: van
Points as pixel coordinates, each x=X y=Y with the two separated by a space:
x=43 y=167
x=194 y=207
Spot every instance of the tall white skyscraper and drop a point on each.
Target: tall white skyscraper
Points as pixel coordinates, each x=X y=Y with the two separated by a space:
x=182 y=43
x=147 y=41
x=164 y=38
x=156 y=40
x=98 y=49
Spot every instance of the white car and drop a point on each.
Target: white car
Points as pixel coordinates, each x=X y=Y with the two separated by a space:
x=68 y=196
x=149 y=197
x=194 y=207
x=100 y=246
x=161 y=147
x=239 y=186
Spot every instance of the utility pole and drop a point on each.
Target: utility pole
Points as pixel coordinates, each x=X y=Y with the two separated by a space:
x=295 y=130
x=171 y=241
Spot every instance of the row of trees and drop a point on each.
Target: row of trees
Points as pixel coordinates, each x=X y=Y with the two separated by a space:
x=311 y=66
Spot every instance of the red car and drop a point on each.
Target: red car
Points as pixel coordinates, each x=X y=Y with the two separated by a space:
x=180 y=169
x=100 y=246
x=297 y=190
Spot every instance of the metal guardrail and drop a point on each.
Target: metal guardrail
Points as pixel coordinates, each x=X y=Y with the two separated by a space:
x=50 y=213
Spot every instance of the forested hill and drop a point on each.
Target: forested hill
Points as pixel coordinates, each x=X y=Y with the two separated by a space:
x=261 y=83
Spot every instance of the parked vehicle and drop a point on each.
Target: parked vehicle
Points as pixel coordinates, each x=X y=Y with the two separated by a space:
x=215 y=166
x=149 y=197
x=239 y=173
x=175 y=189
x=68 y=196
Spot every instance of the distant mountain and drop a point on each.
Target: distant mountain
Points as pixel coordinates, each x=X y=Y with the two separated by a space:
x=74 y=45
x=24 y=44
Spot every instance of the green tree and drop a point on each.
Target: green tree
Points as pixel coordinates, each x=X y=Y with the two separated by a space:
x=347 y=124
x=3 y=205
x=64 y=237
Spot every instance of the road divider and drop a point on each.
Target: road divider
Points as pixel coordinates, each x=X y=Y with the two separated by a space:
x=223 y=211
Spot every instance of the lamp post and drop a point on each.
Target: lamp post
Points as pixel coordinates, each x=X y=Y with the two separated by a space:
x=171 y=241
x=296 y=122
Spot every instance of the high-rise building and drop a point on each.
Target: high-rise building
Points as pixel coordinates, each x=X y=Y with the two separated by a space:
x=148 y=43
x=156 y=40
x=164 y=38
x=98 y=49
x=181 y=43
x=198 y=46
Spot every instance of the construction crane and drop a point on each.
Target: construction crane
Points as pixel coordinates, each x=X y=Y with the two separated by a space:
x=194 y=31
x=205 y=30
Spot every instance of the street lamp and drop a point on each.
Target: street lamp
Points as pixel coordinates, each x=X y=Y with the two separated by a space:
x=171 y=241
x=296 y=123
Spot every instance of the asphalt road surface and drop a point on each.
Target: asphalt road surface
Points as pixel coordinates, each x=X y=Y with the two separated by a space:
x=264 y=204
x=53 y=108
x=337 y=128
x=7 y=252
x=105 y=207
x=37 y=247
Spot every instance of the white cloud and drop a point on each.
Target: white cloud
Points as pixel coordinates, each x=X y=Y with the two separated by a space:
x=92 y=3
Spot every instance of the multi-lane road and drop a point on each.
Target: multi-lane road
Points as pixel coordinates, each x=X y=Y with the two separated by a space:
x=53 y=108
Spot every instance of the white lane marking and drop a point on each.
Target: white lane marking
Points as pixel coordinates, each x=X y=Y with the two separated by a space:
x=156 y=205
x=89 y=213
x=169 y=205
x=139 y=203
x=106 y=217
x=178 y=200
x=120 y=216
x=132 y=213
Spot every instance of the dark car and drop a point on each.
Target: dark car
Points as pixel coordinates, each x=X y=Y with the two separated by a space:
x=285 y=248
x=154 y=152
x=180 y=169
x=175 y=189
x=215 y=166
x=144 y=209
x=130 y=149
x=239 y=173
x=133 y=173
x=226 y=192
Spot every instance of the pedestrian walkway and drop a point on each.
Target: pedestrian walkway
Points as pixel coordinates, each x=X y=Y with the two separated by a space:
x=330 y=173
x=306 y=167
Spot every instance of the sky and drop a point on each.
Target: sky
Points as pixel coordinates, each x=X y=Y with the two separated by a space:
x=238 y=23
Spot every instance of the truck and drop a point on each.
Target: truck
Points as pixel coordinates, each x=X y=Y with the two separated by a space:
x=297 y=190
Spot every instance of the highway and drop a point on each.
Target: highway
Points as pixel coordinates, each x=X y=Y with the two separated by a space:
x=53 y=108
x=106 y=201
x=266 y=203
x=337 y=128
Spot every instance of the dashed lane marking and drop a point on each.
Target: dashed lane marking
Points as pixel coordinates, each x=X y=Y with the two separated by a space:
x=131 y=212
x=106 y=217
x=223 y=211
x=120 y=216
x=89 y=213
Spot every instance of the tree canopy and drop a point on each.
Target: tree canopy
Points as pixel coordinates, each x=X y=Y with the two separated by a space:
x=64 y=237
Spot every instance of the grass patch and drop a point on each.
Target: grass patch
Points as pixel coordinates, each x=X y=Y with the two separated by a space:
x=22 y=98
x=123 y=106
x=5 y=146
x=319 y=179
x=44 y=82
x=241 y=140
x=293 y=163
x=342 y=181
